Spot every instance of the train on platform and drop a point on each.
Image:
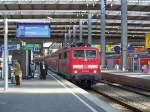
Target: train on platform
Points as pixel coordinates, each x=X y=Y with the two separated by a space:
x=79 y=63
x=134 y=60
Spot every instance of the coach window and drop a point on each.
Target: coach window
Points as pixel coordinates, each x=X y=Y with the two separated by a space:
x=65 y=55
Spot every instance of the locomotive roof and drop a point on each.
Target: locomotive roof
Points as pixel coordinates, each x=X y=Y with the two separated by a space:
x=71 y=48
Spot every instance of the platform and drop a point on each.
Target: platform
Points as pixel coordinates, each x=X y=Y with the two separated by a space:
x=51 y=95
x=134 y=79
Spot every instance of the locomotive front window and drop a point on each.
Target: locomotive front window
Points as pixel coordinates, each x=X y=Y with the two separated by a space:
x=79 y=54
x=90 y=54
x=84 y=54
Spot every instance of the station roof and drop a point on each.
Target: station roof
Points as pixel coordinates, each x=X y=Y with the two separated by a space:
x=63 y=14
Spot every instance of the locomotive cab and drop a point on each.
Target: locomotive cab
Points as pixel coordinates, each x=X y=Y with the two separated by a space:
x=85 y=65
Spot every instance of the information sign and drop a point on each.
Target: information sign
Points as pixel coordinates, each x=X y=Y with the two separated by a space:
x=32 y=46
x=11 y=46
x=33 y=30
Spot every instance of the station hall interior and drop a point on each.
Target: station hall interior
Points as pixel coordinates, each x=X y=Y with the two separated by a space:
x=114 y=49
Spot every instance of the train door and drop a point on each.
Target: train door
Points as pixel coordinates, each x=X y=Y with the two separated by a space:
x=65 y=62
x=58 y=62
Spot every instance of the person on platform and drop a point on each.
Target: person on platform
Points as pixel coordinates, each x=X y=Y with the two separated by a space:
x=17 y=72
x=117 y=67
x=32 y=68
x=43 y=71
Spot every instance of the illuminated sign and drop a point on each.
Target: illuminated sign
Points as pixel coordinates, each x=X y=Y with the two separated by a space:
x=32 y=46
x=147 y=40
x=33 y=30
x=11 y=46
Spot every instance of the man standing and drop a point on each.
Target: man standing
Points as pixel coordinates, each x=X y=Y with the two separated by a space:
x=17 y=72
x=43 y=71
x=32 y=68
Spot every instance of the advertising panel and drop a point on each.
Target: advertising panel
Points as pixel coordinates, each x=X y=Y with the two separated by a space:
x=147 y=40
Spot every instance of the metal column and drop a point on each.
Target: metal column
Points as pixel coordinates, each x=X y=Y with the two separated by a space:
x=69 y=35
x=27 y=63
x=90 y=28
x=124 y=33
x=81 y=33
x=6 y=53
x=65 y=40
x=74 y=33
x=103 y=26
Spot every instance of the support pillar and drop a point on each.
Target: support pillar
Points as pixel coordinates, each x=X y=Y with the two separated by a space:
x=103 y=27
x=65 y=40
x=69 y=35
x=6 y=53
x=90 y=28
x=74 y=34
x=81 y=31
x=124 y=34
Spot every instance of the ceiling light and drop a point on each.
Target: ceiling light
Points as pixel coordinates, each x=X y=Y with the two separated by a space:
x=93 y=4
x=111 y=4
x=87 y=5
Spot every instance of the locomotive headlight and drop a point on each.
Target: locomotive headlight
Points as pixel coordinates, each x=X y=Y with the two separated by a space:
x=75 y=71
x=95 y=71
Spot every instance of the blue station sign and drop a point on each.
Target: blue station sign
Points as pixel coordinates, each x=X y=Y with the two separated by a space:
x=33 y=30
x=11 y=46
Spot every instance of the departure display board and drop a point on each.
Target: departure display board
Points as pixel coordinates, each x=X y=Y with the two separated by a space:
x=33 y=30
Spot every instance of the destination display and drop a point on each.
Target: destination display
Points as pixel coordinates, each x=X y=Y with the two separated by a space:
x=33 y=30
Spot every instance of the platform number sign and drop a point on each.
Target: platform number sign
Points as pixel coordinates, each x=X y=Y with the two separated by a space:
x=147 y=40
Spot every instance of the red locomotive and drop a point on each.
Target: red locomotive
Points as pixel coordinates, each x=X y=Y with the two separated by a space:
x=80 y=64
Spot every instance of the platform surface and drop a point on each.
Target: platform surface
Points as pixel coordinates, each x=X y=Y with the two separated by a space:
x=134 y=79
x=129 y=74
x=51 y=95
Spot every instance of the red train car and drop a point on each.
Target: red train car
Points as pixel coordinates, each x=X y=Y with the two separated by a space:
x=135 y=60
x=80 y=64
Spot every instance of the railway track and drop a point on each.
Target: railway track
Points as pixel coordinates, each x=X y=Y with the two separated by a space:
x=142 y=92
x=134 y=100
x=115 y=105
